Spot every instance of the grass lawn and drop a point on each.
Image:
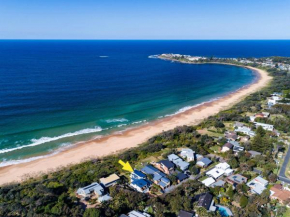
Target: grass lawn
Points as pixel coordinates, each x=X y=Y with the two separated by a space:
x=287 y=213
x=215 y=148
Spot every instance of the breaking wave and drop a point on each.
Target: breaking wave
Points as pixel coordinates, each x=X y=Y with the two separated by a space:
x=43 y=140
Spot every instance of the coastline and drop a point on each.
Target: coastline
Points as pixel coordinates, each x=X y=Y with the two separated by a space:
x=132 y=137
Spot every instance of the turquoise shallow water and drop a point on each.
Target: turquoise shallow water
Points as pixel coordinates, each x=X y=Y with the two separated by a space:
x=56 y=93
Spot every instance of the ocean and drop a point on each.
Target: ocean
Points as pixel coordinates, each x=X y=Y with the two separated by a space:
x=54 y=94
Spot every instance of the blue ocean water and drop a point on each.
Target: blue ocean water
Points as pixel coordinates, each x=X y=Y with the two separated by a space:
x=56 y=93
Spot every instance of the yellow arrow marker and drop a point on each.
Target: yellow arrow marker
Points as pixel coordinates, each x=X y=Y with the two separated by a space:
x=126 y=166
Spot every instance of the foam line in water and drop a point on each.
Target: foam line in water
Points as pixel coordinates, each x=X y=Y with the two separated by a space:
x=43 y=140
x=20 y=161
x=118 y=120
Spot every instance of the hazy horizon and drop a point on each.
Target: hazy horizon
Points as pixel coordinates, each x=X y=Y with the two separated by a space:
x=150 y=20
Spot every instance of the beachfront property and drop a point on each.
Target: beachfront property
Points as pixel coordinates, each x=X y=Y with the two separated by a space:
x=267 y=127
x=259 y=115
x=257 y=185
x=204 y=162
x=187 y=154
x=94 y=189
x=139 y=182
x=245 y=130
x=205 y=200
x=178 y=162
x=159 y=178
x=136 y=174
x=183 y=213
x=227 y=147
x=236 y=179
x=165 y=166
x=110 y=180
x=273 y=100
x=141 y=185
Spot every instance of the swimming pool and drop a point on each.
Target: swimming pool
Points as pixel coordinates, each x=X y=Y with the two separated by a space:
x=224 y=211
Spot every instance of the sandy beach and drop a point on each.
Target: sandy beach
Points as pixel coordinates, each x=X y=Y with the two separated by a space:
x=130 y=138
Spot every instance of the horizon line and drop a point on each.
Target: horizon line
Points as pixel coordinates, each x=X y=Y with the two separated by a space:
x=69 y=39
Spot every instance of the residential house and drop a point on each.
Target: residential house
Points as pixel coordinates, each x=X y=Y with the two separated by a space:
x=188 y=154
x=205 y=200
x=136 y=174
x=238 y=149
x=244 y=139
x=204 y=162
x=138 y=214
x=183 y=213
x=207 y=182
x=92 y=189
x=219 y=183
x=141 y=185
x=280 y=194
x=267 y=127
x=159 y=178
x=104 y=198
x=254 y=153
x=230 y=135
x=246 y=130
x=219 y=170
x=238 y=124
x=178 y=161
x=225 y=167
x=181 y=177
x=226 y=147
x=165 y=166
x=198 y=157
x=236 y=179
x=257 y=185
x=215 y=173
x=110 y=180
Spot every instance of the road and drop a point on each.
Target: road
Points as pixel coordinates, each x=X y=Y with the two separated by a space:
x=282 y=172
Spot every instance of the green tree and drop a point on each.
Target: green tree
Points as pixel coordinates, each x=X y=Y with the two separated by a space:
x=243 y=201
x=92 y=213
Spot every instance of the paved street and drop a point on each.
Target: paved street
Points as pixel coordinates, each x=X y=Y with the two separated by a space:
x=282 y=172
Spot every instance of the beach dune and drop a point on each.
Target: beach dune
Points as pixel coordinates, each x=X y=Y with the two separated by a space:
x=130 y=138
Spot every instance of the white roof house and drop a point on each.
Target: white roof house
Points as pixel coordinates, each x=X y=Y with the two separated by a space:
x=207 y=182
x=228 y=172
x=215 y=173
x=138 y=214
x=187 y=154
x=92 y=188
x=178 y=161
x=223 y=166
x=257 y=185
x=246 y=130
x=268 y=127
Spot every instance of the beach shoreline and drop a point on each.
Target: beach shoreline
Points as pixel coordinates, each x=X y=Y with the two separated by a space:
x=118 y=142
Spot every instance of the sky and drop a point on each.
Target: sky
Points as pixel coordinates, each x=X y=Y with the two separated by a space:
x=145 y=19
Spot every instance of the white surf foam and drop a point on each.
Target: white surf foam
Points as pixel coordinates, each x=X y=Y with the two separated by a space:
x=119 y=120
x=20 y=161
x=43 y=140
